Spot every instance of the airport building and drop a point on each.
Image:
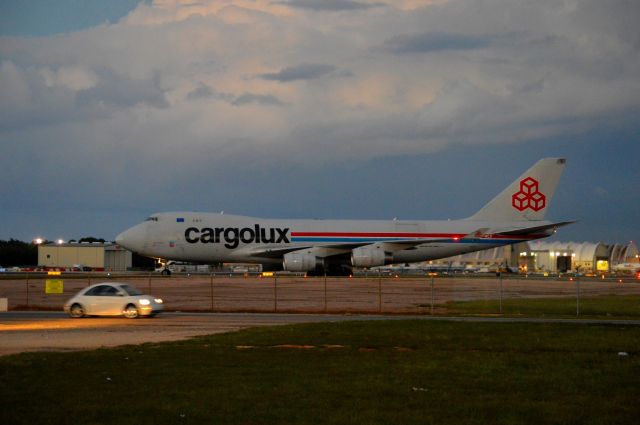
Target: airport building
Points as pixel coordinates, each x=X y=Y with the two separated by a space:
x=553 y=257
x=490 y=259
x=569 y=256
x=96 y=256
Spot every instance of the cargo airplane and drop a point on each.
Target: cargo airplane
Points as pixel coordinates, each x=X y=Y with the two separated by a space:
x=335 y=246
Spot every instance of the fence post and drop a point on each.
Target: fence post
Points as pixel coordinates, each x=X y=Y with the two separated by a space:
x=27 y=291
x=500 y=293
x=379 y=293
x=211 y=288
x=325 y=292
x=275 y=292
x=578 y=296
x=431 y=295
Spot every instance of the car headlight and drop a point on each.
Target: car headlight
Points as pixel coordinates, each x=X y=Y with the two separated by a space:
x=158 y=300
x=144 y=302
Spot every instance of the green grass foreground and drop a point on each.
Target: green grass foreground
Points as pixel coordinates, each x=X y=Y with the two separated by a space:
x=605 y=306
x=378 y=372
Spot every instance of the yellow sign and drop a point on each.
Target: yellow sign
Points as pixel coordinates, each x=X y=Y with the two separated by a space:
x=53 y=286
x=52 y=273
x=602 y=266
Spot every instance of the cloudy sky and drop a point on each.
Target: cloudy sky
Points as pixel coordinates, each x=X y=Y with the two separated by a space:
x=110 y=111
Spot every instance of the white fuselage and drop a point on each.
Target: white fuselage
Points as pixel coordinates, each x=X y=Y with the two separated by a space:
x=208 y=238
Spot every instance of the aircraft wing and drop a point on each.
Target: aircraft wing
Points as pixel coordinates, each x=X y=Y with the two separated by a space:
x=266 y=252
x=343 y=248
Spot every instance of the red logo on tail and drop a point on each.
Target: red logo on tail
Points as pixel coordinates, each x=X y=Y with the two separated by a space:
x=529 y=196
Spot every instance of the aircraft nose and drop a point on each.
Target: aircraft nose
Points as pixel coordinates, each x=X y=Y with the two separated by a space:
x=132 y=239
x=120 y=238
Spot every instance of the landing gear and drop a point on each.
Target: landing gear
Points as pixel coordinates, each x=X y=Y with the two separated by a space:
x=272 y=267
x=332 y=270
x=339 y=270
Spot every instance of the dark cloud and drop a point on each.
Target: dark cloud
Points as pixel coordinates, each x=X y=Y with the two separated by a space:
x=436 y=42
x=29 y=101
x=329 y=5
x=121 y=91
x=307 y=71
x=203 y=91
x=257 y=98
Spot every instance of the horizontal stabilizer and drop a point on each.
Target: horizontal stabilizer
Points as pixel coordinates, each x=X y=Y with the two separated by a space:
x=536 y=229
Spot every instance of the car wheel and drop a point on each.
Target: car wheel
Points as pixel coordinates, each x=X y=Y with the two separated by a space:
x=166 y=272
x=130 y=311
x=76 y=311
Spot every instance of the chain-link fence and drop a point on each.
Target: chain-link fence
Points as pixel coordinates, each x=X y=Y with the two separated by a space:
x=495 y=295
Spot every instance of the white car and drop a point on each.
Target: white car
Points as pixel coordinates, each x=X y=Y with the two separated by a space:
x=112 y=299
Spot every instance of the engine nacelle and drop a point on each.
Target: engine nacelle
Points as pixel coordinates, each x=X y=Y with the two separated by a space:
x=370 y=256
x=301 y=262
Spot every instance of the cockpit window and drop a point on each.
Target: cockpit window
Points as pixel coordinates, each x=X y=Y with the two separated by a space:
x=152 y=219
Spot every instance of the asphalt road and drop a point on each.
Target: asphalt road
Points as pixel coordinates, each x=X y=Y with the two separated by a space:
x=54 y=331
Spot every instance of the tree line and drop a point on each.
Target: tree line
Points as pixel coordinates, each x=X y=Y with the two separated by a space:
x=17 y=253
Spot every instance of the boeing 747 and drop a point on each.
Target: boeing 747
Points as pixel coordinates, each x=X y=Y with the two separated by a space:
x=335 y=246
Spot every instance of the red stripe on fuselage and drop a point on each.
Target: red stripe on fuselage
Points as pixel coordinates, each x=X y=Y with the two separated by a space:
x=377 y=235
x=407 y=235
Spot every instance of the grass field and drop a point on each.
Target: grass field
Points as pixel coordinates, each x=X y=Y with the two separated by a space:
x=386 y=372
x=604 y=306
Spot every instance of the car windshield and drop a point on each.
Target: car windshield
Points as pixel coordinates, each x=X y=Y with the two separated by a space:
x=130 y=290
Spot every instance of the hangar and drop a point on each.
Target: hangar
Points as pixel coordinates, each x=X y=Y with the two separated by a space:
x=562 y=257
x=97 y=256
x=627 y=253
x=554 y=257
x=499 y=257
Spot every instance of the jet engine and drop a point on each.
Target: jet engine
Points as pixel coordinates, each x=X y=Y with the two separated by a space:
x=370 y=256
x=301 y=262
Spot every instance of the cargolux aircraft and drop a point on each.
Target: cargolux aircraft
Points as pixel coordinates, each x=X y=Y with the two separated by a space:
x=335 y=246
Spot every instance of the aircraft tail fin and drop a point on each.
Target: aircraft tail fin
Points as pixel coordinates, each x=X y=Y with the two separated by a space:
x=528 y=197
